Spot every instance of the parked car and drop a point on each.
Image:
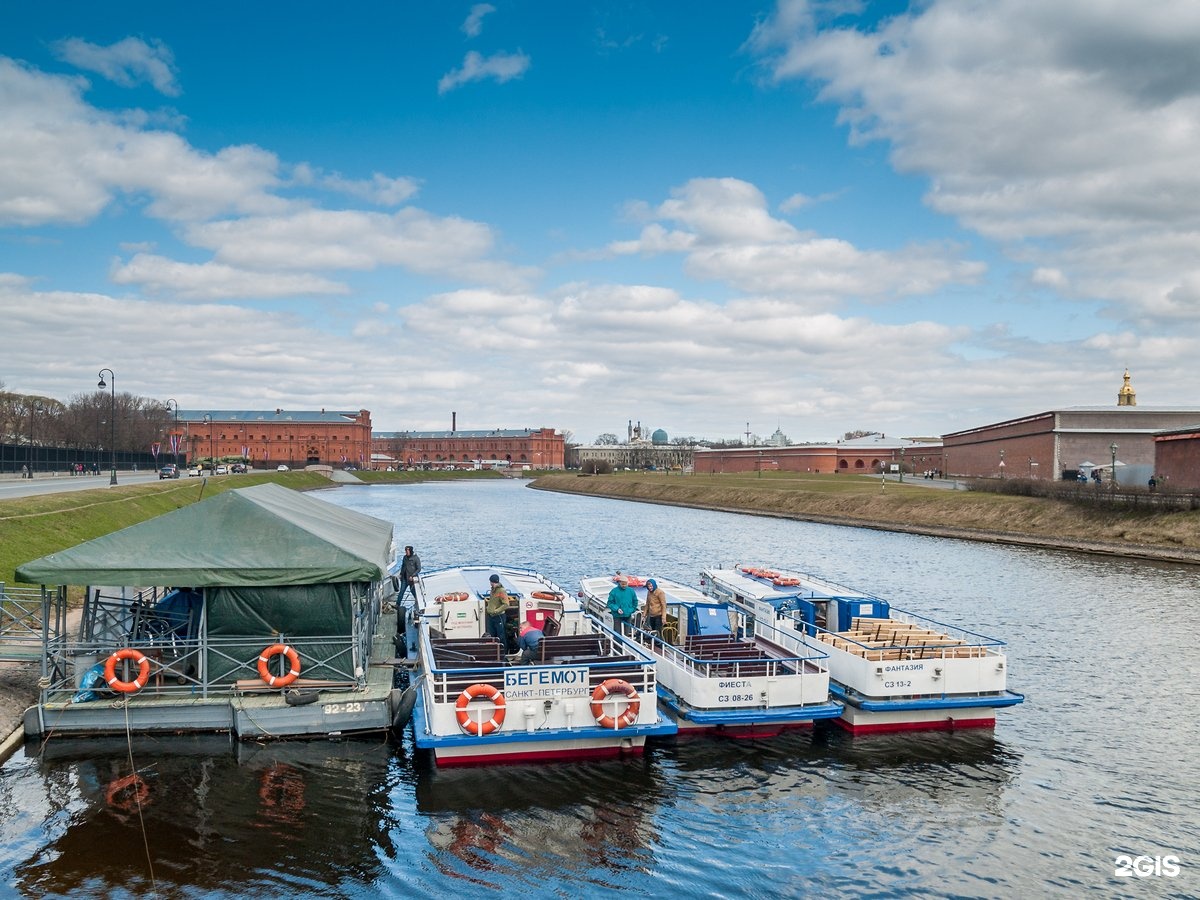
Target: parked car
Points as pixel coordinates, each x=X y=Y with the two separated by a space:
x=222 y=469
x=168 y=471
x=238 y=468
x=281 y=468
x=195 y=471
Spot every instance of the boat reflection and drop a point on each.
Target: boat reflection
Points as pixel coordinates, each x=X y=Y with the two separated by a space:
x=579 y=823
x=202 y=814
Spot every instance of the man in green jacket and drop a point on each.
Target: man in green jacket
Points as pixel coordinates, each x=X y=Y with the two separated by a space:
x=622 y=603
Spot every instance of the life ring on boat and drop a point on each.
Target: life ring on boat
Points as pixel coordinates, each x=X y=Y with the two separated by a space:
x=264 y=660
x=110 y=670
x=615 y=686
x=452 y=597
x=128 y=794
x=546 y=595
x=632 y=580
x=786 y=582
x=475 y=726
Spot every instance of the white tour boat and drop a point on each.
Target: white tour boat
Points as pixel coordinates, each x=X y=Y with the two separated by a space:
x=585 y=694
x=715 y=675
x=893 y=670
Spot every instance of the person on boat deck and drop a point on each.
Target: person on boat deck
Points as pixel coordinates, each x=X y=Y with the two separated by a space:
x=622 y=603
x=656 y=606
x=410 y=568
x=497 y=611
x=528 y=643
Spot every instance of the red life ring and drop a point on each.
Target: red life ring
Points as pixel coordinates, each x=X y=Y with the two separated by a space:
x=632 y=580
x=279 y=680
x=786 y=582
x=452 y=597
x=110 y=670
x=546 y=595
x=477 y=726
x=128 y=794
x=616 y=686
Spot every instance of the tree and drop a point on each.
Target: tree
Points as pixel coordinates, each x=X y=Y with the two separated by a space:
x=606 y=440
x=851 y=435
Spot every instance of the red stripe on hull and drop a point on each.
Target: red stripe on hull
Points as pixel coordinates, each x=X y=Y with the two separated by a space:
x=941 y=725
x=538 y=756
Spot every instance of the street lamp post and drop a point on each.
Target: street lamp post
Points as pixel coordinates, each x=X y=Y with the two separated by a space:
x=1113 y=447
x=173 y=406
x=33 y=409
x=212 y=460
x=901 y=465
x=112 y=420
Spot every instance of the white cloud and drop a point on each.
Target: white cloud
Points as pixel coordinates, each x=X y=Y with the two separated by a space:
x=215 y=281
x=728 y=235
x=1071 y=121
x=472 y=26
x=500 y=66
x=350 y=239
x=795 y=202
x=64 y=161
x=379 y=189
x=128 y=62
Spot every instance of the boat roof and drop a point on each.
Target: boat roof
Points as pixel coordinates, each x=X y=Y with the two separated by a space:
x=807 y=587
x=475 y=580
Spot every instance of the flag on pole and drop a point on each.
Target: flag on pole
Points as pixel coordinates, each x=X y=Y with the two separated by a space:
x=154 y=448
x=174 y=442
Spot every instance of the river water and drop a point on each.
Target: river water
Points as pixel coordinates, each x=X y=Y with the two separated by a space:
x=1100 y=761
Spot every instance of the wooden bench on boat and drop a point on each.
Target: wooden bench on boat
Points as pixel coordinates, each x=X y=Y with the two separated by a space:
x=452 y=653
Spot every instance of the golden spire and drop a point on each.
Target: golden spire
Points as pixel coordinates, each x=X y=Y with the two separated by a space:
x=1126 y=396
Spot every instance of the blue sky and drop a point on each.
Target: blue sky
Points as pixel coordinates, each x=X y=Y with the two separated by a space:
x=819 y=216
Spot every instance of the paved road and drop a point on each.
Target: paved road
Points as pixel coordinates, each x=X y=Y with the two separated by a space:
x=13 y=486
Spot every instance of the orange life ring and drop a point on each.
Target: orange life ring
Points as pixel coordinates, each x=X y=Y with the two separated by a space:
x=633 y=580
x=546 y=595
x=128 y=794
x=786 y=582
x=476 y=726
x=110 y=670
x=615 y=686
x=279 y=680
x=452 y=597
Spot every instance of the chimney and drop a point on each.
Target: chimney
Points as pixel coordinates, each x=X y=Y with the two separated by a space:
x=453 y=422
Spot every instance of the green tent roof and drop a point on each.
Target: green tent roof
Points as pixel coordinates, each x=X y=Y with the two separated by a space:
x=261 y=535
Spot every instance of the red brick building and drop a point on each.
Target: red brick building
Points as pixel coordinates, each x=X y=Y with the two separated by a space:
x=860 y=456
x=295 y=438
x=540 y=448
x=1177 y=458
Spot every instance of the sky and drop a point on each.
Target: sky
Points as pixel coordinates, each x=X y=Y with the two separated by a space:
x=708 y=217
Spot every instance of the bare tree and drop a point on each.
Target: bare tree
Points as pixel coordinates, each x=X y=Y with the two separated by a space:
x=606 y=440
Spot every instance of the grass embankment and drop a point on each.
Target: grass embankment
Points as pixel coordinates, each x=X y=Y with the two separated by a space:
x=914 y=507
x=31 y=527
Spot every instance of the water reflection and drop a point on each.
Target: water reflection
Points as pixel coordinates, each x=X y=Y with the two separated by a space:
x=202 y=814
x=588 y=823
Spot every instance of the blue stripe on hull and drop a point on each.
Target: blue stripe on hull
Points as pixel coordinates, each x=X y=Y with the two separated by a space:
x=735 y=716
x=1008 y=698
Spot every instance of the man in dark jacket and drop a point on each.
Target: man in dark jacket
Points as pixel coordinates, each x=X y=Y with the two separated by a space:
x=410 y=568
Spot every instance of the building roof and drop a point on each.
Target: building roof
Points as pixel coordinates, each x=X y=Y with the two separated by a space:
x=339 y=416
x=461 y=435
